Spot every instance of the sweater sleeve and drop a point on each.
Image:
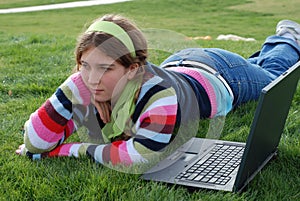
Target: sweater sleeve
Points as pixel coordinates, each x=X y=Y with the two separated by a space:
x=49 y=125
x=151 y=130
x=152 y=127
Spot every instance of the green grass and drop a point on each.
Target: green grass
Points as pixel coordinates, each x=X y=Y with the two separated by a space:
x=36 y=55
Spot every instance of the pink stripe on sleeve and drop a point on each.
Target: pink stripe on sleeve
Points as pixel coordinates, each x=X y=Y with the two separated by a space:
x=204 y=82
x=65 y=150
x=160 y=110
x=123 y=154
x=83 y=90
x=42 y=131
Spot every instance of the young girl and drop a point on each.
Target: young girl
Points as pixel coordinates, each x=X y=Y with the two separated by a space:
x=134 y=109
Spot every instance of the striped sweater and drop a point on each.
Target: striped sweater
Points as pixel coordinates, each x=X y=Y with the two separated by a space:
x=164 y=102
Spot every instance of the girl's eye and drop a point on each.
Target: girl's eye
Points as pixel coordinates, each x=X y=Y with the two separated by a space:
x=104 y=68
x=85 y=66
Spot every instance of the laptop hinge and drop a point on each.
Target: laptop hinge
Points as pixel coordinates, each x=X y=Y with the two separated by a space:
x=239 y=190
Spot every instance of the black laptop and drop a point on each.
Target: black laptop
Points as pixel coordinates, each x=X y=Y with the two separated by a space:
x=230 y=166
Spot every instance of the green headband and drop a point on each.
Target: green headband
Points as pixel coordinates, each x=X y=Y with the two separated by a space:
x=114 y=30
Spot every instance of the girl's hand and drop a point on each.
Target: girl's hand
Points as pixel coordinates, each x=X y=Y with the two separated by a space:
x=104 y=109
x=21 y=150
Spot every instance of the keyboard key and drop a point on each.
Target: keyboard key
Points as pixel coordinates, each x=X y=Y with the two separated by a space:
x=205 y=179
x=192 y=176
x=213 y=180
x=199 y=177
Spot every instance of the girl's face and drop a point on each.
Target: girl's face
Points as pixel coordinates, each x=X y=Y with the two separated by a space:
x=104 y=77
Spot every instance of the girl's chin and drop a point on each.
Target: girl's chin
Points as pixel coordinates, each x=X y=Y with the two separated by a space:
x=102 y=99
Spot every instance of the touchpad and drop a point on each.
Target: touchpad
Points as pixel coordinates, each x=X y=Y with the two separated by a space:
x=188 y=156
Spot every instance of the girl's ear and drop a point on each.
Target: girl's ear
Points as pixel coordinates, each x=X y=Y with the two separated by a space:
x=133 y=68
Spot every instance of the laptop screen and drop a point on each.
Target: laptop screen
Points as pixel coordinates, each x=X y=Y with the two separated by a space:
x=268 y=124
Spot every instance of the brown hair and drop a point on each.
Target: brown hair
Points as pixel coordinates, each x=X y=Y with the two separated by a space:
x=111 y=45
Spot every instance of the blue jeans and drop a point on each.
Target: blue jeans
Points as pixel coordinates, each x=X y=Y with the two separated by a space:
x=246 y=77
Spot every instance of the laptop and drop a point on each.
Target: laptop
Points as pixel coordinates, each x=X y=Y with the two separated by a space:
x=203 y=163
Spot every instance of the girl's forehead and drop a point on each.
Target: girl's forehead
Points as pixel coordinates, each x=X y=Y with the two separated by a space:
x=94 y=54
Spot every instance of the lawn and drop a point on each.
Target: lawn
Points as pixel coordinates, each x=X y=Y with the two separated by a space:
x=36 y=55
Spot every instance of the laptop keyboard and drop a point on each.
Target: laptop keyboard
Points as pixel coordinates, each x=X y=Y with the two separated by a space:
x=220 y=163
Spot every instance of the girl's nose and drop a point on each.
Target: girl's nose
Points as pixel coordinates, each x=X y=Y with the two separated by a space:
x=95 y=77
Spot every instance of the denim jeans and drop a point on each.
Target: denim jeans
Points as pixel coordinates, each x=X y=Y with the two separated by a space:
x=246 y=77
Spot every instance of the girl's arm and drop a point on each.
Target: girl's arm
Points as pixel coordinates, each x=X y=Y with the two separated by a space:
x=151 y=130
x=48 y=126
